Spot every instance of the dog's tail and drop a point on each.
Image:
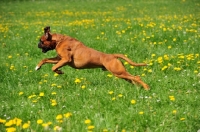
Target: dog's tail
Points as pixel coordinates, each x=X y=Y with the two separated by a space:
x=129 y=61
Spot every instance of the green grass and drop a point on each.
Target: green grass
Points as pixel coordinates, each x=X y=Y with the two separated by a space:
x=165 y=34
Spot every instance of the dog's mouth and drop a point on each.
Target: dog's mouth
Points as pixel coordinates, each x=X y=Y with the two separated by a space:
x=44 y=50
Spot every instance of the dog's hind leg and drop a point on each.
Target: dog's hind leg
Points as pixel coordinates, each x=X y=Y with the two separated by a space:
x=116 y=68
x=134 y=79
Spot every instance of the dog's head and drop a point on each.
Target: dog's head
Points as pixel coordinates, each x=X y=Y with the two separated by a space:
x=46 y=43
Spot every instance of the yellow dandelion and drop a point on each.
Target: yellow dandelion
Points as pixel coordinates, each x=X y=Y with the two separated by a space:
x=133 y=101
x=123 y=130
x=164 y=68
x=110 y=92
x=56 y=74
x=53 y=85
x=53 y=93
x=172 y=98
x=143 y=75
x=174 y=112
x=39 y=121
x=113 y=98
x=88 y=121
x=53 y=102
x=10 y=56
x=125 y=63
x=105 y=130
x=26 y=125
x=9 y=123
x=59 y=86
x=153 y=55
x=182 y=119
x=141 y=112
x=177 y=68
x=20 y=93
x=59 y=117
x=10 y=129
x=67 y=115
x=17 y=121
x=77 y=80
x=57 y=128
x=90 y=127
x=169 y=47
x=2 y=121
x=83 y=86
x=120 y=95
x=45 y=125
x=109 y=75
x=41 y=94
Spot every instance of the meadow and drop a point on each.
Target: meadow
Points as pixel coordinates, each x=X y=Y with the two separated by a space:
x=163 y=33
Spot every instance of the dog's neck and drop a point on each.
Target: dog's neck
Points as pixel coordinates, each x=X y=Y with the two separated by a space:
x=59 y=38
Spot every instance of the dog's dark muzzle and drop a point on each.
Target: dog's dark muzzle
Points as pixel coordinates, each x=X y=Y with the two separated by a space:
x=41 y=46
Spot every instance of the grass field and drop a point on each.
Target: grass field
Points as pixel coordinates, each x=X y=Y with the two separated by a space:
x=163 y=33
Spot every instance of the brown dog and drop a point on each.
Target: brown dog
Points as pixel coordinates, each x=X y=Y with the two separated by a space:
x=75 y=54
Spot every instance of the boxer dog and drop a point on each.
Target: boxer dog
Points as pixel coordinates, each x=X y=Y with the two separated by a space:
x=74 y=53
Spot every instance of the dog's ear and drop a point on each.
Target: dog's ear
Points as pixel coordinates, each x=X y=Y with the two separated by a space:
x=47 y=32
x=46 y=29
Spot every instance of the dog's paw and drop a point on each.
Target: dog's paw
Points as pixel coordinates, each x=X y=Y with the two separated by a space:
x=37 y=68
x=59 y=72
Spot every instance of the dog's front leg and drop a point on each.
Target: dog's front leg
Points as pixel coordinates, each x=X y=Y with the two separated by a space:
x=60 y=64
x=54 y=60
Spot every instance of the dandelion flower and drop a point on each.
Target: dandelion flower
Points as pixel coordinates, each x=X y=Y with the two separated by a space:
x=174 y=112
x=59 y=117
x=39 y=121
x=9 y=123
x=26 y=125
x=172 y=98
x=109 y=75
x=125 y=63
x=10 y=129
x=120 y=95
x=90 y=127
x=182 y=119
x=41 y=94
x=143 y=75
x=56 y=74
x=77 y=80
x=113 y=98
x=2 y=121
x=67 y=115
x=57 y=128
x=20 y=93
x=53 y=102
x=105 y=130
x=110 y=92
x=53 y=93
x=59 y=86
x=133 y=101
x=83 y=86
x=88 y=121
x=141 y=112
x=10 y=56
x=53 y=85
